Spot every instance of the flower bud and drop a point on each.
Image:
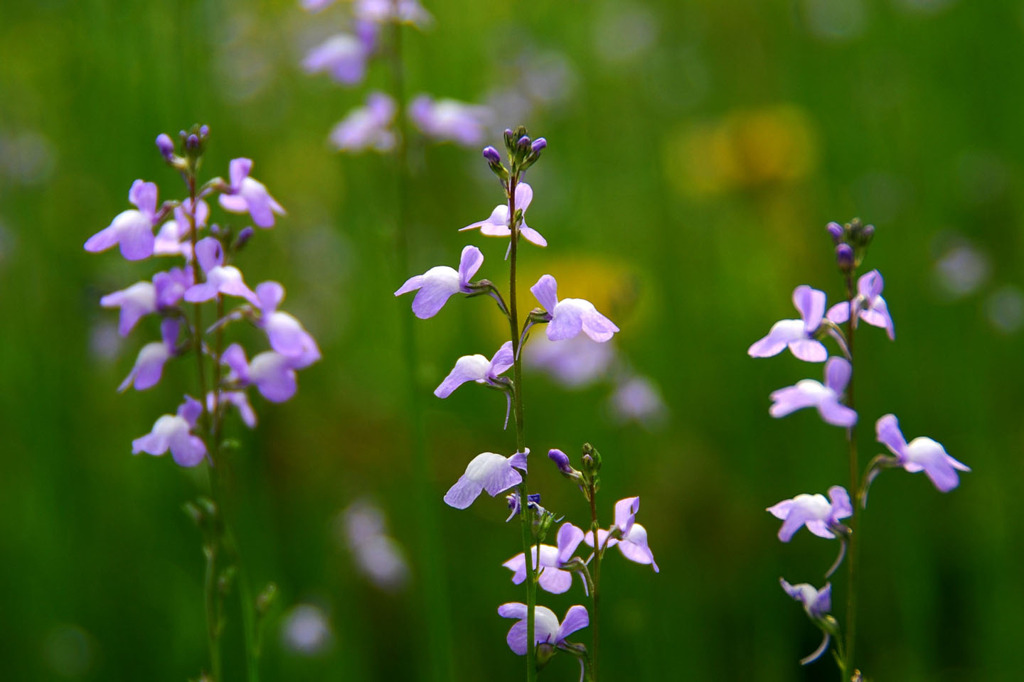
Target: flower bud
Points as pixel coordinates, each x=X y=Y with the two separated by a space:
x=524 y=143
x=561 y=460
x=165 y=145
x=243 y=238
x=835 y=230
x=492 y=156
x=192 y=142
x=844 y=257
x=539 y=145
x=204 y=131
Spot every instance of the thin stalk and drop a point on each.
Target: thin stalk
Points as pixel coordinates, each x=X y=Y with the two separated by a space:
x=517 y=373
x=851 y=436
x=595 y=620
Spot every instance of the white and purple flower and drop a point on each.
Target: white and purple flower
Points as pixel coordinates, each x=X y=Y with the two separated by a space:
x=825 y=397
x=487 y=471
x=497 y=224
x=220 y=278
x=174 y=433
x=285 y=333
x=821 y=516
x=367 y=127
x=271 y=373
x=132 y=230
x=629 y=536
x=570 y=316
x=797 y=335
x=550 y=561
x=920 y=454
x=547 y=629
x=435 y=286
x=149 y=365
x=868 y=304
x=448 y=120
x=247 y=195
x=477 y=368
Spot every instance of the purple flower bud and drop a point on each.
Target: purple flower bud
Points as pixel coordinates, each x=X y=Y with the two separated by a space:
x=243 y=238
x=492 y=156
x=538 y=145
x=866 y=234
x=192 y=142
x=524 y=142
x=835 y=230
x=561 y=460
x=165 y=145
x=844 y=257
x=204 y=131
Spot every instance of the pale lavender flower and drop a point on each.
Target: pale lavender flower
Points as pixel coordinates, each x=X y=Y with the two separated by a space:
x=438 y=284
x=305 y=630
x=174 y=433
x=921 y=454
x=797 y=335
x=826 y=398
x=170 y=287
x=377 y=555
x=477 y=368
x=487 y=471
x=135 y=302
x=868 y=304
x=367 y=127
x=568 y=317
x=271 y=373
x=821 y=516
x=220 y=278
x=343 y=56
x=574 y=363
x=817 y=603
x=497 y=225
x=149 y=365
x=247 y=195
x=550 y=562
x=448 y=120
x=631 y=536
x=383 y=11
x=132 y=230
x=637 y=399
x=547 y=629
x=172 y=239
x=239 y=400
x=286 y=334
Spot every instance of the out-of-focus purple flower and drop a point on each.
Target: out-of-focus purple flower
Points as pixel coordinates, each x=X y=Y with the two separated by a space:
x=149 y=365
x=247 y=195
x=144 y=298
x=821 y=516
x=271 y=373
x=547 y=629
x=343 y=56
x=570 y=316
x=240 y=401
x=797 y=335
x=367 y=127
x=382 y=11
x=477 y=368
x=575 y=363
x=497 y=225
x=132 y=230
x=552 y=578
x=435 y=286
x=810 y=393
x=220 y=278
x=376 y=553
x=637 y=399
x=448 y=120
x=487 y=471
x=306 y=631
x=868 y=304
x=286 y=334
x=174 y=433
x=817 y=603
x=172 y=239
x=170 y=287
x=921 y=454
x=632 y=540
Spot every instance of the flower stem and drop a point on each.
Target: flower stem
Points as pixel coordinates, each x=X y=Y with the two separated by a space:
x=851 y=436
x=595 y=620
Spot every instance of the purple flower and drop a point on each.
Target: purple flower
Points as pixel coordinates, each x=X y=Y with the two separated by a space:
x=552 y=578
x=132 y=230
x=921 y=454
x=817 y=603
x=172 y=239
x=220 y=278
x=271 y=373
x=810 y=393
x=797 y=335
x=638 y=399
x=487 y=471
x=574 y=363
x=240 y=401
x=477 y=368
x=286 y=334
x=868 y=304
x=247 y=195
x=497 y=225
x=547 y=629
x=149 y=365
x=438 y=284
x=383 y=11
x=174 y=433
x=342 y=56
x=568 y=317
x=819 y=515
x=630 y=536
x=448 y=120
x=367 y=127
x=144 y=298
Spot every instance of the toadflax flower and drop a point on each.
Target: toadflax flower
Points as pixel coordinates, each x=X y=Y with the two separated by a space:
x=144 y=298
x=568 y=317
x=449 y=120
x=797 y=335
x=868 y=304
x=630 y=536
x=172 y=239
x=220 y=278
x=477 y=368
x=547 y=629
x=149 y=365
x=132 y=230
x=271 y=373
x=435 y=286
x=810 y=393
x=487 y=471
x=174 y=433
x=552 y=578
x=497 y=225
x=814 y=511
x=285 y=333
x=921 y=454
x=247 y=195
x=817 y=604
x=367 y=127
x=343 y=56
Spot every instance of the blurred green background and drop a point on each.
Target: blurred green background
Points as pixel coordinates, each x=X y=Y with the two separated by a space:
x=697 y=150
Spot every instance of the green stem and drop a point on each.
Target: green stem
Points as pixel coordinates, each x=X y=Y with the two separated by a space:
x=595 y=620
x=853 y=550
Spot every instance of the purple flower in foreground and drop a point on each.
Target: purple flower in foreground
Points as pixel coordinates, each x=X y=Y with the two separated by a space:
x=144 y=298
x=172 y=239
x=497 y=225
x=630 y=536
x=367 y=127
x=247 y=195
x=487 y=471
x=271 y=373
x=921 y=454
x=438 y=284
x=132 y=230
x=174 y=433
x=343 y=56
x=449 y=120
x=570 y=316
x=547 y=629
x=819 y=515
x=810 y=393
x=868 y=304
x=817 y=603
x=797 y=335
x=477 y=368
x=149 y=365
x=220 y=278
x=286 y=334
x=552 y=578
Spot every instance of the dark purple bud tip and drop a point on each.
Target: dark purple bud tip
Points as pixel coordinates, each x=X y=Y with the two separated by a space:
x=204 y=130
x=243 y=238
x=524 y=142
x=165 y=144
x=192 y=142
x=492 y=155
x=844 y=256
x=866 y=234
x=561 y=460
x=835 y=230
x=183 y=134
x=538 y=145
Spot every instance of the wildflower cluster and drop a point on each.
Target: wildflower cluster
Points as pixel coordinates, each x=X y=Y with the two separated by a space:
x=835 y=517
x=538 y=634
x=204 y=277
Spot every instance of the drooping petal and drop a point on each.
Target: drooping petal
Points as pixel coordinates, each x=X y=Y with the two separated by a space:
x=467 y=368
x=634 y=547
x=782 y=333
x=274 y=376
x=809 y=350
x=928 y=455
x=595 y=325
x=576 y=618
x=546 y=291
x=835 y=413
